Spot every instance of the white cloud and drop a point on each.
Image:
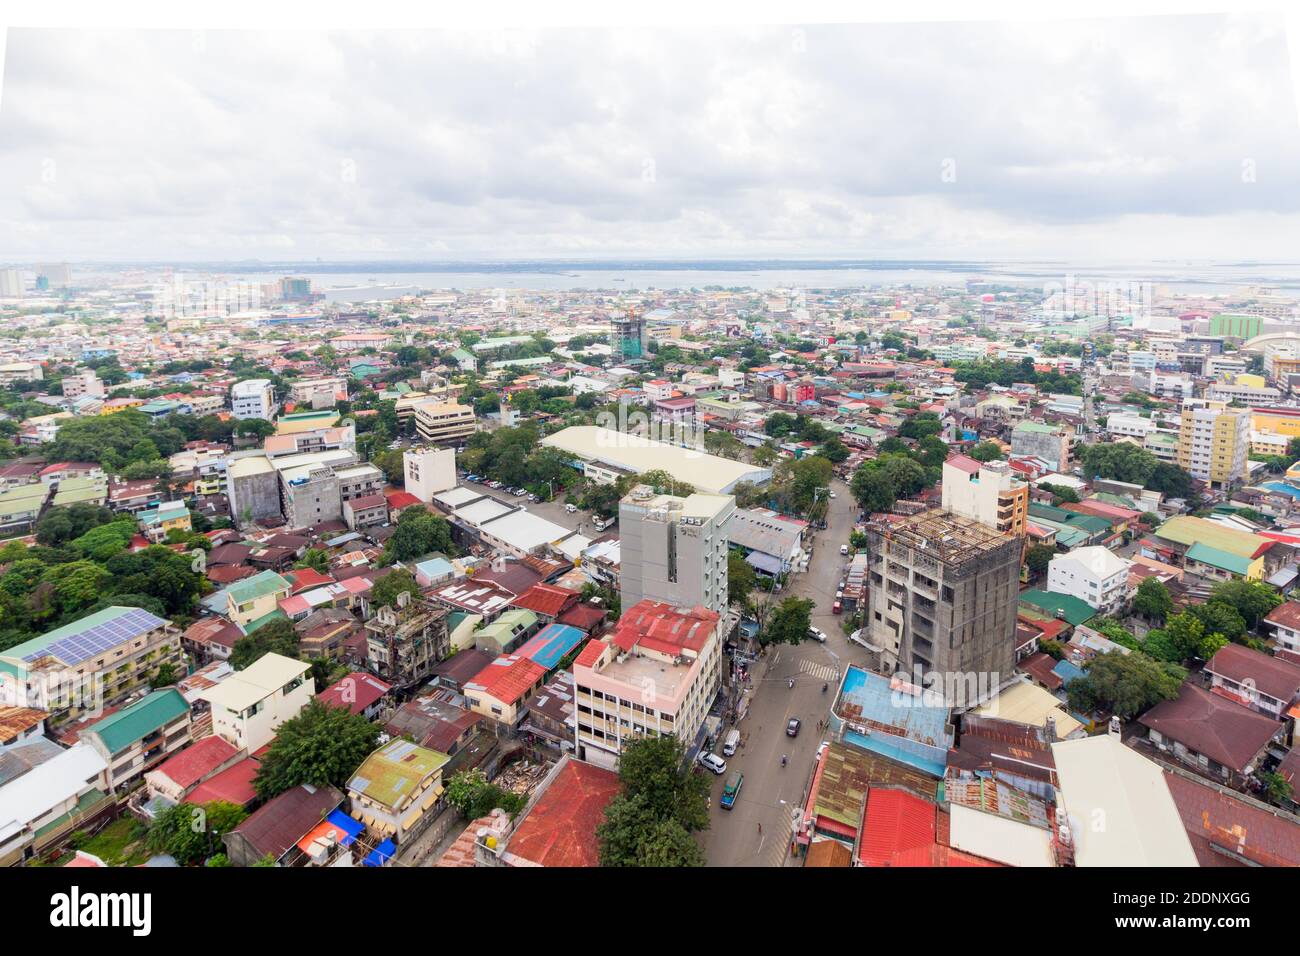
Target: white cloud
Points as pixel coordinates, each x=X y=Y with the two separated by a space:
x=1125 y=138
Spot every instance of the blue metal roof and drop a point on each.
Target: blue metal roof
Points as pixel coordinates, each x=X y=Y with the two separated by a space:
x=380 y=854
x=350 y=827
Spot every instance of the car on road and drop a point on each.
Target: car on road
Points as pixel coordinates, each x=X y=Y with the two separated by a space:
x=817 y=634
x=837 y=607
x=533 y=498
x=732 y=790
x=792 y=728
x=494 y=485
x=711 y=761
x=571 y=508
x=471 y=477
x=844 y=549
x=832 y=494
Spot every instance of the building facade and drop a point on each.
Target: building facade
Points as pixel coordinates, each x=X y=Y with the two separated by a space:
x=674 y=550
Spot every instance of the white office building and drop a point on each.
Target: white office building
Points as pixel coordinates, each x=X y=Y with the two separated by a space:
x=254 y=398
x=674 y=550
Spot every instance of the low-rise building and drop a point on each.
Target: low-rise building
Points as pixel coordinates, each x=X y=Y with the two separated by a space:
x=249 y=705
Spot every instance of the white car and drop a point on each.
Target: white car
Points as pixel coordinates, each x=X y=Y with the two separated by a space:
x=844 y=549
x=817 y=634
x=571 y=508
x=712 y=761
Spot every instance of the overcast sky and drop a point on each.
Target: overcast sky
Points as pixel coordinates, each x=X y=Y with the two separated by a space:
x=1101 y=140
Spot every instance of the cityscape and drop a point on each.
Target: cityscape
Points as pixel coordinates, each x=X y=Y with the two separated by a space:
x=527 y=495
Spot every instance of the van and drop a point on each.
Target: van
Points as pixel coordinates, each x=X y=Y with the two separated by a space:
x=731 y=742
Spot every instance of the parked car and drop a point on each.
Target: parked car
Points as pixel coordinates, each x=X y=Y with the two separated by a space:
x=732 y=790
x=837 y=607
x=711 y=761
x=817 y=634
x=844 y=549
x=792 y=728
x=571 y=508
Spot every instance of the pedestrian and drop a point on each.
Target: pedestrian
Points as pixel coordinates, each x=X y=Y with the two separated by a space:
x=760 y=829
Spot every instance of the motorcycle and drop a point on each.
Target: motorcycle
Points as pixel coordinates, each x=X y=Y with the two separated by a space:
x=791 y=683
x=824 y=686
x=782 y=760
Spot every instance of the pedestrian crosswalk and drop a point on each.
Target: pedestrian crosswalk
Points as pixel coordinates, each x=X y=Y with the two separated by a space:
x=823 y=672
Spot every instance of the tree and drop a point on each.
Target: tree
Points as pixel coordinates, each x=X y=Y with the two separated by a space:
x=475 y=796
x=986 y=451
x=663 y=801
x=322 y=746
x=258 y=428
x=1221 y=618
x=164 y=676
x=1172 y=481
x=1152 y=599
x=274 y=637
x=1060 y=494
x=1038 y=558
x=873 y=490
x=1118 y=461
x=396 y=582
x=740 y=579
x=61 y=524
x=1125 y=684
x=318 y=559
x=1252 y=599
x=418 y=532
x=192 y=833
x=789 y=623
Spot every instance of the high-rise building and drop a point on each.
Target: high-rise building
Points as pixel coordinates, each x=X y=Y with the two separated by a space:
x=57 y=275
x=1213 y=442
x=11 y=284
x=674 y=549
x=990 y=493
x=429 y=471
x=254 y=398
x=629 y=340
x=942 y=602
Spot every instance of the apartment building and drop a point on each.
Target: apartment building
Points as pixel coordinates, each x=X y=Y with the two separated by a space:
x=657 y=673
x=1213 y=442
x=404 y=643
x=95 y=662
x=942 y=602
x=990 y=493
x=249 y=705
x=83 y=383
x=1093 y=574
x=1051 y=443
x=674 y=550
x=139 y=737
x=319 y=392
x=254 y=398
x=252 y=599
x=429 y=471
x=444 y=422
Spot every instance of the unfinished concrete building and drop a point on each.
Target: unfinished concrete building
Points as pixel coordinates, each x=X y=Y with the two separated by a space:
x=942 y=602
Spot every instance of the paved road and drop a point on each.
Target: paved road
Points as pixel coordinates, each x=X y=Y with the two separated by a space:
x=770 y=791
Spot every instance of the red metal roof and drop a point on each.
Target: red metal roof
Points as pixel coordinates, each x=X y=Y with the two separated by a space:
x=507 y=678
x=232 y=785
x=896 y=822
x=560 y=830
x=187 y=767
x=663 y=627
x=546 y=599
x=356 y=692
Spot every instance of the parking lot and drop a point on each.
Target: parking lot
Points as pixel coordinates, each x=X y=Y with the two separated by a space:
x=554 y=510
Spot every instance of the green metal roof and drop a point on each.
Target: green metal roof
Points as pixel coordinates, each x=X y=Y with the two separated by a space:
x=1218 y=559
x=1076 y=611
x=142 y=718
x=259 y=585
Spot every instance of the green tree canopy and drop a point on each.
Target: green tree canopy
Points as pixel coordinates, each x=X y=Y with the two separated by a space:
x=322 y=746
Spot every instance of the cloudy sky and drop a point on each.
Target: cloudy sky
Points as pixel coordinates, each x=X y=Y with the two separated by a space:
x=1102 y=140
